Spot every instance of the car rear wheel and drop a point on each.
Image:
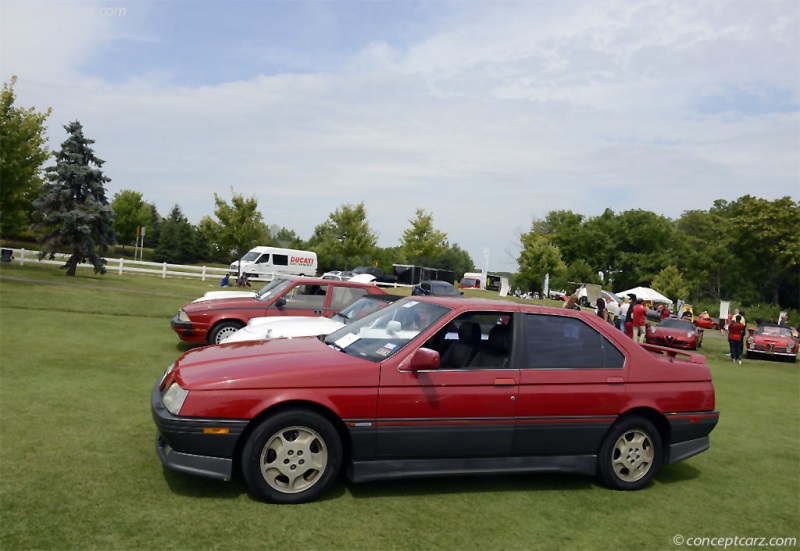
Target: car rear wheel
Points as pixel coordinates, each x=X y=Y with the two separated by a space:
x=223 y=330
x=292 y=457
x=630 y=455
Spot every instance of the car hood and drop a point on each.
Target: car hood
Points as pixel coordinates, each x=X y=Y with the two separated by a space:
x=284 y=327
x=219 y=295
x=279 y=363
x=673 y=331
x=224 y=303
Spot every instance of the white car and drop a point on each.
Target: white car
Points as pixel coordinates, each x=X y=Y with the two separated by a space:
x=263 y=292
x=287 y=327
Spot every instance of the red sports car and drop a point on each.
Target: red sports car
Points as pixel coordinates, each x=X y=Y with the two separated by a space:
x=675 y=333
x=211 y=321
x=706 y=323
x=434 y=386
x=771 y=340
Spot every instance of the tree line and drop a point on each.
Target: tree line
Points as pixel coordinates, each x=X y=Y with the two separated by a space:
x=747 y=250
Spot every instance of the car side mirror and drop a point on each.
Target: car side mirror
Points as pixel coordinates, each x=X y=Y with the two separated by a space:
x=393 y=327
x=424 y=358
x=280 y=302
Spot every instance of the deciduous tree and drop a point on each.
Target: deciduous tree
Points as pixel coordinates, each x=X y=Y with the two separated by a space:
x=422 y=244
x=130 y=213
x=239 y=226
x=345 y=240
x=23 y=153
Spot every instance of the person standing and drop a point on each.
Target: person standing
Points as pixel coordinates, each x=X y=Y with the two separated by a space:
x=602 y=310
x=623 y=314
x=639 y=319
x=629 y=316
x=736 y=338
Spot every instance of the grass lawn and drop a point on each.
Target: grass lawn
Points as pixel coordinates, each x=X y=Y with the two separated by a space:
x=79 y=468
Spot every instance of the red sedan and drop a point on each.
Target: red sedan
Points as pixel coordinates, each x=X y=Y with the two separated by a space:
x=675 y=333
x=211 y=321
x=434 y=386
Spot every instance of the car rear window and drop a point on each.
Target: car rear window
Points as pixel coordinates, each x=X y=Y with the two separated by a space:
x=561 y=342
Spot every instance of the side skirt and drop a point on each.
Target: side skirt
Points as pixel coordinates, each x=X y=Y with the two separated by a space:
x=365 y=471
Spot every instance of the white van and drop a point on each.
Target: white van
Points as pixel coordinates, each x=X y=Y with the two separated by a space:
x=264 y=262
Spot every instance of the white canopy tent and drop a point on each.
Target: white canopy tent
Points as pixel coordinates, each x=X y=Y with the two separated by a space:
x=646 y=294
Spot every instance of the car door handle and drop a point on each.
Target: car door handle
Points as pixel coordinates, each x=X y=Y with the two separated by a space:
x=615 y=381
x=504 y=382
x=318 y=312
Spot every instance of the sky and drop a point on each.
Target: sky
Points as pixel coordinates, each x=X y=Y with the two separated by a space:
x=487 y=114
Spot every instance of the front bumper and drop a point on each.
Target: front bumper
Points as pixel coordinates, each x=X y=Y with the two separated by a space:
x=202 y=447
x=186 y=331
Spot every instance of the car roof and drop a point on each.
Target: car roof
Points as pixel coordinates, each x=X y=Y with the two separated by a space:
x=342 y=283
x=469 y=303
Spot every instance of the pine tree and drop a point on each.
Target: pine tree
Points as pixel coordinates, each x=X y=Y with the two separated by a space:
x=72 y=212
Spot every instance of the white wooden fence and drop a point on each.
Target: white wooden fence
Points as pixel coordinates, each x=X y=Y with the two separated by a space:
x=123 y=265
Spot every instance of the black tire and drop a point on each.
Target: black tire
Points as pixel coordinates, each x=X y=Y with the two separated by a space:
x=292 y=457
x=630 y=455
x=223 y=329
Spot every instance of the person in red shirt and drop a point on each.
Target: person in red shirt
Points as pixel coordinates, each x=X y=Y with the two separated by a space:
x=665 y=312
x=736 y=338
x=639 y=319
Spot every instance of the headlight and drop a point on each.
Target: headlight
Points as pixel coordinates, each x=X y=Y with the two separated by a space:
x=183 y=316
x=652 y=329
x=167 y=372
x=690 y=334
x=750 y=341
x=790 y=345
x=173 y=398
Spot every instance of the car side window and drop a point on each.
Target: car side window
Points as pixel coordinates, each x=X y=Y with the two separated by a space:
x=280 y=260
x=474 y=340
x=342 y=297
x=562 y=342
x=263 y=259
x=307 y=296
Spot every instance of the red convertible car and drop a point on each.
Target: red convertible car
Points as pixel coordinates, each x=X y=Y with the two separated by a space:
x=771 y=340
x=675 y=333
x=434 y=386
x=211 y=321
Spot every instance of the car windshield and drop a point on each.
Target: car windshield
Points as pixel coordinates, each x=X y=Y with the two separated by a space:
x=360 y=309
x=773 y=331
x=273 y=288
x=674 y=323
x=468 y=282
x=445 y=290
x=250 y=256
x=384 y=333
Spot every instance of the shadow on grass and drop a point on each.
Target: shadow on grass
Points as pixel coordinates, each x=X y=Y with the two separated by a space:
x=192 y=486
x=679 y=472
x=471 y=485
x=195 y=486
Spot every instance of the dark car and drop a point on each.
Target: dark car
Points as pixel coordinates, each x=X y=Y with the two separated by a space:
x=434 y=386
x=436 y=289
x=211 y=321
x=675 y=333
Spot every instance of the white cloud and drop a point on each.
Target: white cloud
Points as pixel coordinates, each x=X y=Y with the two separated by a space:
x=509 y=111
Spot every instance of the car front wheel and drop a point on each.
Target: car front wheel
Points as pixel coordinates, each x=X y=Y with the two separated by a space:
x=292 y=457
x=630 y=455
x=223 y=330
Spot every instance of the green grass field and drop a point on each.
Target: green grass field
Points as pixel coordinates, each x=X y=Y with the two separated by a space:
x=79 y=470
